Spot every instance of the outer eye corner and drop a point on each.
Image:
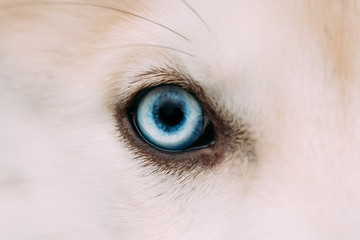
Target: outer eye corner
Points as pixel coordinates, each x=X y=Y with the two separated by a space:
x=170 y=119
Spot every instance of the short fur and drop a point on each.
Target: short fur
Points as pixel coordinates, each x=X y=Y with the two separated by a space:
x=279 y=79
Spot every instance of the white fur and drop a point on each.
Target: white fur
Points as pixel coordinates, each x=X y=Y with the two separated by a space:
x=66 y=174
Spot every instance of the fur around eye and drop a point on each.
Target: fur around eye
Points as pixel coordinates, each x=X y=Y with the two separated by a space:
x=172 y=88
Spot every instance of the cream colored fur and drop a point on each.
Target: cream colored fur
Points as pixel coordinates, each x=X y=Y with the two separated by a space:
x=289 y=69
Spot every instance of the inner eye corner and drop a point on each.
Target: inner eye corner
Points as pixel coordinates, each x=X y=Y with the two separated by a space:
x=170 y=119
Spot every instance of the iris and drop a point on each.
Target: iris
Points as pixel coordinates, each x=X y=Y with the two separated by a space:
x=169 y=118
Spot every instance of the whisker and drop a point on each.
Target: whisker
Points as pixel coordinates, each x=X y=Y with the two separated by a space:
x=154 y=46
x=196 y=13
x=107 y=8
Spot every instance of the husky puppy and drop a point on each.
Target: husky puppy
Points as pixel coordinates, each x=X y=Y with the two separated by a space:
x=179 y=119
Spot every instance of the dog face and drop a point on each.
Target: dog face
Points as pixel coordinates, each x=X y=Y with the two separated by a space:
x=278 y=85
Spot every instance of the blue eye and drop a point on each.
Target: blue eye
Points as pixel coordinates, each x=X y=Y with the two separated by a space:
x=170 y=118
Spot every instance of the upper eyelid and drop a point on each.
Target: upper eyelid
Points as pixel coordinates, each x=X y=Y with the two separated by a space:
x=160 y=76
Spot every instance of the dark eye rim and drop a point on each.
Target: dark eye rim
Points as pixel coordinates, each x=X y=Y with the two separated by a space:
x=205 y=140
x=176 y=163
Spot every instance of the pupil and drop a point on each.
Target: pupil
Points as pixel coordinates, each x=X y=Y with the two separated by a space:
x=171 y=113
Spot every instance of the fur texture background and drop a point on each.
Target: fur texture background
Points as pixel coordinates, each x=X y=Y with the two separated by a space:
x=280 y=78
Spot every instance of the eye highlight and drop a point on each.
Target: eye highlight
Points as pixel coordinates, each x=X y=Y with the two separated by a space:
x=171 y=119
